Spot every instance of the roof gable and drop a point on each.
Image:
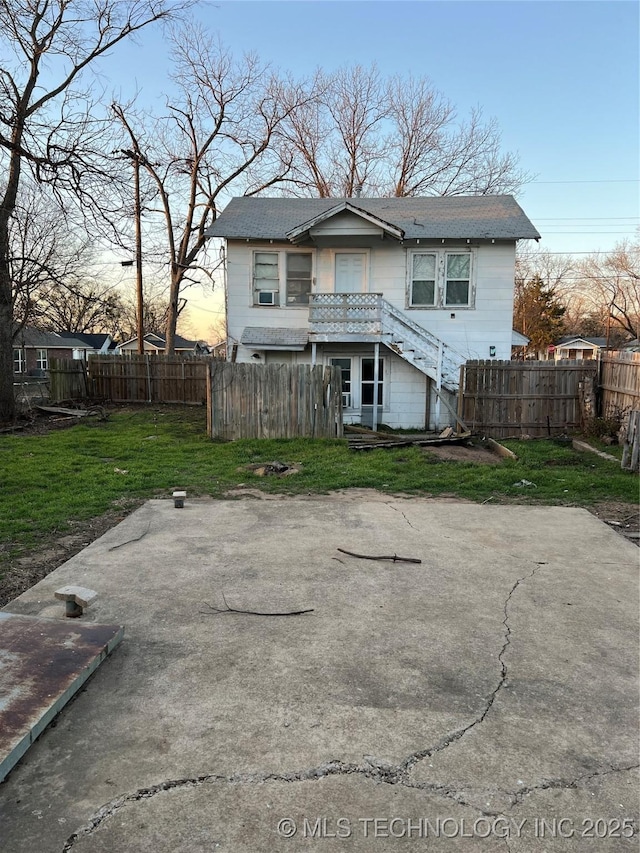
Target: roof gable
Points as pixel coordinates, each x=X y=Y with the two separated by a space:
x=316 y=223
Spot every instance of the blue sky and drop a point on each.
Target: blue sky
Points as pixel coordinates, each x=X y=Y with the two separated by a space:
x=561 y=78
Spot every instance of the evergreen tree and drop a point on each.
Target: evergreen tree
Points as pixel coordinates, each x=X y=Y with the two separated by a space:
x=538 y=313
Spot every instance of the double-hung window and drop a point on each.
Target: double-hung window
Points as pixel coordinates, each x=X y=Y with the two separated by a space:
x=42 y=363
x=441 y=279
x=282 y=278
x=18 y=360
x=266 y=278
x=423 y=280
x=298 y=278
x=457 y=286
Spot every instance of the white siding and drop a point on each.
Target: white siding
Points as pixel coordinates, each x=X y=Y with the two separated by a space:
x=346 y=225
x=471 y=331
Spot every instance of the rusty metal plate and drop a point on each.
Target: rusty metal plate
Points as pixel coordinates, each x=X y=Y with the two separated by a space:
x=43 y=663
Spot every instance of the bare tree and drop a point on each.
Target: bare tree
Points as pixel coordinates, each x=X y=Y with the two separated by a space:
x=46 y=121
x=611 y=282
x=216 y=138
x=44 y=253
x=78 y=306
x=393 y=137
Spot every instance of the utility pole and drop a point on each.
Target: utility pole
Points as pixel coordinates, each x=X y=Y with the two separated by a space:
x=137 y=159
x=137 y=216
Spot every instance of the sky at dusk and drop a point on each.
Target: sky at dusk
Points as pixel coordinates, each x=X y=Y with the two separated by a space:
x=561 y=78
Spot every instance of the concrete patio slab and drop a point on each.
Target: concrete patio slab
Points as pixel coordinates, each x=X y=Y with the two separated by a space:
x=483 y=699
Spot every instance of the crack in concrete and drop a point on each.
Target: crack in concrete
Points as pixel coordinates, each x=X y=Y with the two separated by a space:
x=415 y=757
x=373 y=768
x=402 y=513
x=134 y=539
x=517 y=797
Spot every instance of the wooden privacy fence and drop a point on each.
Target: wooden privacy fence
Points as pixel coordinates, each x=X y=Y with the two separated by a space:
x=514 y=398
x=274 y=401
x=68 y=380
x=149 y=378
x=619 y=382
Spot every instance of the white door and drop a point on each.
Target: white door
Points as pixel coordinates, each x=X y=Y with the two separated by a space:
x=350 y=272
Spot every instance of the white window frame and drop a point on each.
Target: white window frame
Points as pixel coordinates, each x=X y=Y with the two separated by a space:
x=280 y=294
x=287 y=253
x=411 y=302
x=455 y=305
x=355 y=391
x=255 y=291
x=347 y=396
x=42 y=361
x=21 y=360
x=440 y=290
x=367 y=265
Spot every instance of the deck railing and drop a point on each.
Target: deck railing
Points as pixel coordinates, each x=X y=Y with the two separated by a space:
x=346 y=313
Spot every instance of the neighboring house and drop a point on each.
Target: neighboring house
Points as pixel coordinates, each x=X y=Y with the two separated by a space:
x=519 y=344
x=219 y=350
x=574 y=347
x=33 y=350
x=155 y=344
x=396 y=292
x=97 y=344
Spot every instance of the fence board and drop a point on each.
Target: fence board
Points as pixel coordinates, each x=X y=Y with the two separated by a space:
x=620 y=382
x=512 y=398
x=68 y=380
x=273 y=401
x=150 y=378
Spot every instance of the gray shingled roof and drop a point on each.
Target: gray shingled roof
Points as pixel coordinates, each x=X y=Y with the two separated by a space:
x=451 y=217
x=30 y=337
x=258 y=336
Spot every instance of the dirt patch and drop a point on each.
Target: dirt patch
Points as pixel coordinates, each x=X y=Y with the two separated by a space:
x=20 y=571
x=271 y=469
x=621 y=517
x=464 y=453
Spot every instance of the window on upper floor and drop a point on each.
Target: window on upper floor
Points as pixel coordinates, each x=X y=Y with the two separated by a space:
x=423 y=280
x=441 y=279
x=282 y=278
x=457 y=279
x=266 y=278
x=298 y=278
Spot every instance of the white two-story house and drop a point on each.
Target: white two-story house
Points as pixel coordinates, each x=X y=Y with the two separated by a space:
x=396 y=292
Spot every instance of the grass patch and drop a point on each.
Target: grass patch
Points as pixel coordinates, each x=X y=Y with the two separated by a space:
x=48 y=481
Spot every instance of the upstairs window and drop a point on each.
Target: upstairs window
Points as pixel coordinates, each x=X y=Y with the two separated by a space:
x=458 y=279
x=441 y=279
x=266 y=279
x=423 y=280
x=298 y=278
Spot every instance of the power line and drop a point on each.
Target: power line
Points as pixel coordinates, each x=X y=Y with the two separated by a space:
x=601 y=181
x=580 y=218
x=588 y=233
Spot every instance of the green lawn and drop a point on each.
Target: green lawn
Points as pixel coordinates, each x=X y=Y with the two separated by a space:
x=66 y=475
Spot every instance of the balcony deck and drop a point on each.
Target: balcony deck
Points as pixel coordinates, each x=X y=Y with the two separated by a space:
x=345 y=317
